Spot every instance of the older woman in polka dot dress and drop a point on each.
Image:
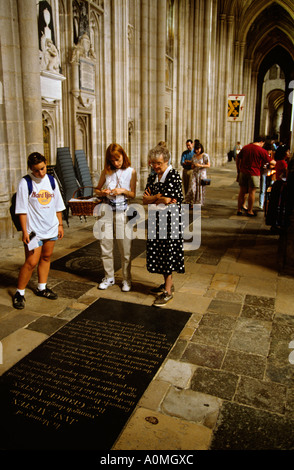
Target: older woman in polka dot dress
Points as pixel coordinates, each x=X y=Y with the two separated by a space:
x=165 y=248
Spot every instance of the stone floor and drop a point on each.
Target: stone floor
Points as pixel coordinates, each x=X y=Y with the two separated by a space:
x=228 y=382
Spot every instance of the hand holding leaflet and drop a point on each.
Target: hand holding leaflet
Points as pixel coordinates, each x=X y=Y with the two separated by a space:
x=33 y=242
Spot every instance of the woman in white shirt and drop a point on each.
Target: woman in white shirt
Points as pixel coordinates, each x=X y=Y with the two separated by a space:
x=116 y=185
x=40 y=215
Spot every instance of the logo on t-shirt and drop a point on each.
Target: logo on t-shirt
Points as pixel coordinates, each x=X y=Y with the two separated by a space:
x=43 y=196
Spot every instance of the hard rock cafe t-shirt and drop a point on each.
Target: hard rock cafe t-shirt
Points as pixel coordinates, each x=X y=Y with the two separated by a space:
x=41 y=206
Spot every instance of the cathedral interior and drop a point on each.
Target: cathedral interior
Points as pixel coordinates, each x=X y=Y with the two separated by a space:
x=76 y=76
x=81 y=74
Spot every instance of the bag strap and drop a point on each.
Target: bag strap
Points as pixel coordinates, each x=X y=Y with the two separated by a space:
x=52 y=180
x=30 y=184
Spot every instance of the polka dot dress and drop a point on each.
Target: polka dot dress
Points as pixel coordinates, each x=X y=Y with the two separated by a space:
x=165 y=248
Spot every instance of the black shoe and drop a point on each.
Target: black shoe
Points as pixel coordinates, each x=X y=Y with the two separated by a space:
x=251 y=215
x=18 y=301
x=239 y=213
x=162 y=299
x=160 y=289
x=47 y=293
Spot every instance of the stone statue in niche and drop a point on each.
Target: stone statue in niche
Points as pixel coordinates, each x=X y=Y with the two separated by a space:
x=49 y=56
x=83 y=49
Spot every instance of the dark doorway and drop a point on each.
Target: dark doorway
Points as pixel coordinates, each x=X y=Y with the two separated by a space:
x=282 y=58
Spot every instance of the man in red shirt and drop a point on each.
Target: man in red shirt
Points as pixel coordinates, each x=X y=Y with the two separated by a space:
x=250 y=161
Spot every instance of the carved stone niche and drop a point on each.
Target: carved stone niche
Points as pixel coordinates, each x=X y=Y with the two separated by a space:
x=51 y=79
x=83 y=71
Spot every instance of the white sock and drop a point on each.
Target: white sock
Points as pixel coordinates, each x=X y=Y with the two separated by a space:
x=42 y=286
x=21 y=291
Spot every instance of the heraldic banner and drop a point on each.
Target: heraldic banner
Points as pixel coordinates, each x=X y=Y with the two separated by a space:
x=235 y=107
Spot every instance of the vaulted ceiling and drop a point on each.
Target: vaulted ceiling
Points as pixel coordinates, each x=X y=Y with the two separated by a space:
x=265 y=29
x=262 y=25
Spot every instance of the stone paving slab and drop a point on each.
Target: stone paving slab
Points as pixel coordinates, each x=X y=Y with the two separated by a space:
x=176 y=373
x=268 y=396
x=238 y=425
x=242 y=363
x=199 y=408
x=203 y=355
x=162 y=432
x=217 y=383
x=222 y=307
x=18 y=345
x=46 y=325
x=251 y=336
x=15 y=320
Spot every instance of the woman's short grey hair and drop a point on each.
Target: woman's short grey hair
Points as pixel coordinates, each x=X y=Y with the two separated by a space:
x=158 y=151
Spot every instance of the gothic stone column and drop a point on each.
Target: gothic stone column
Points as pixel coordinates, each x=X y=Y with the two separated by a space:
x=29 y=50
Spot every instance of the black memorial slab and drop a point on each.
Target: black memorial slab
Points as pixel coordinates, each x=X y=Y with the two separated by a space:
x=77 y=390
x=86 y=261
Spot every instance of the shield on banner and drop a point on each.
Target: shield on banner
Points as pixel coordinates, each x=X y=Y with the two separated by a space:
x=235 y=107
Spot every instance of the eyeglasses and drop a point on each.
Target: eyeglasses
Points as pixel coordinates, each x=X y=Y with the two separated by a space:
x=157 y=163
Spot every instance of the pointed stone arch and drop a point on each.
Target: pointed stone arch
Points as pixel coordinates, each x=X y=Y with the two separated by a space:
x=263 y=37
x=82 y=138
x=49 y=135
x=256 y=9
x=277 y=55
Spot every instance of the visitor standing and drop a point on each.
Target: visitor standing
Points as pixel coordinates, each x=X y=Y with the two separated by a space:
x=186 y=162
x=117 y=184
x=250 y=160
x=165 y=254
x=40 y=216
x=200 y=163
x=237 y=149
x=263 y=175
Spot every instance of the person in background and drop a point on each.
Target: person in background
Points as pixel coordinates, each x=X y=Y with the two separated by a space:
x=263 y=173
x=237 y=150
x=200 y=163
x=116 y=185
x=282 y=158
x=251 y=158
x=186 y=162
x=40 y=215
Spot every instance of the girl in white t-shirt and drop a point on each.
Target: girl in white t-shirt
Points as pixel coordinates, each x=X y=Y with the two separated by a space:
x=118 y=180
x=40 y=215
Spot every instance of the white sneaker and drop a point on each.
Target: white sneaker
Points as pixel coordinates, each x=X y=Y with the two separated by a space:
x=106 y=282
x=126 y=286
